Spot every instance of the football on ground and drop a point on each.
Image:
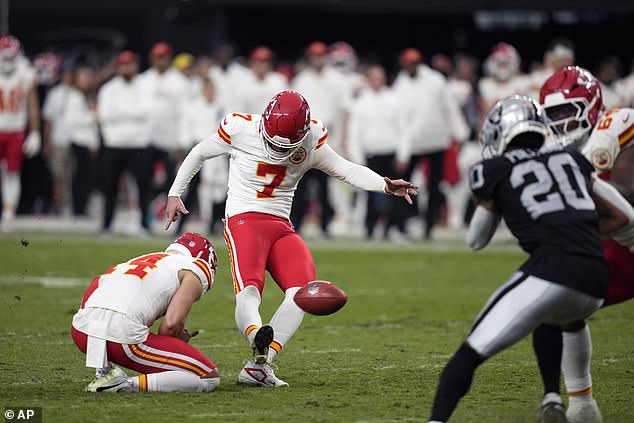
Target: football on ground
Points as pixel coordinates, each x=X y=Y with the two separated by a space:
x=320 y=298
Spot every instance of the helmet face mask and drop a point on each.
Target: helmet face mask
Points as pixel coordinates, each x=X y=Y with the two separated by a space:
x=10 y=49
x=509 y=118
x=284 y=126
x=277 y=148
x=503 y=62
x=572 y=100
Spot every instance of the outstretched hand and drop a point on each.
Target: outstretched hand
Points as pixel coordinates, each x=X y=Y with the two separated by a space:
x=173 y=208
x=400 y=188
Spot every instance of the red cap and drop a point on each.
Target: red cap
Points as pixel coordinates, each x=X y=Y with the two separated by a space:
x=127 y=56
x=161 y=49
x=316 y=48
x=261 y=53
x=411 y=55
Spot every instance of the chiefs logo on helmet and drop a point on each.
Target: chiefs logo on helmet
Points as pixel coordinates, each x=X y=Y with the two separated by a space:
x=196 y=246
x=285 y=125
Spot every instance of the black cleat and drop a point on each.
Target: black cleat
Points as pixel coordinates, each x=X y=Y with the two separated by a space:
x=261 y=341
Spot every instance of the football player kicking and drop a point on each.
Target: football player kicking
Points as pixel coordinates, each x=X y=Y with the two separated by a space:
x=269 y=154
x=113 y=324
x=573 y=102
x=543 y=194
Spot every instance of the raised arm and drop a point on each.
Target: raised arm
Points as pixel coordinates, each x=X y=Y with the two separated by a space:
x=328 y=161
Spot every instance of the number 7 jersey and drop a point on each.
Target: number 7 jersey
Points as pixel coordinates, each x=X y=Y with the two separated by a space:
x=544 y=197
x=256 y=183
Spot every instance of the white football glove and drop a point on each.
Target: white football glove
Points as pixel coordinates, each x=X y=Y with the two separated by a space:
x=32 y=144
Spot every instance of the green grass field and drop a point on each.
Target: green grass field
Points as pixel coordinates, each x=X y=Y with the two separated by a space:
x=376 y=360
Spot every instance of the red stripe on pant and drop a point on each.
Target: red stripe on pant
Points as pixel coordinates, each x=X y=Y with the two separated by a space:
x=117 y=354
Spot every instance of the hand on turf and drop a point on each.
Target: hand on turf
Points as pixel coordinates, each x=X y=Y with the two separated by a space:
x=187 y=335
x=400 y=188
x=174 y=207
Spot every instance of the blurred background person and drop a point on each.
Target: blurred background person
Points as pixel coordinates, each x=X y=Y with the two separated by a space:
x=502 y=77
x=348 y=202
x=166 y=89
x=19 y=113
x=207 y=190
x=442 y=63
x=463 y=86
x=261 y=82
x=79 y=119
x=185 y=64
x=609 y=71
x=56 y=142
x=324 y=89
x=433 y=121
x=375 y=138
x=560 y=53
x=124 y=117
x=227 y=74
x=200 y=72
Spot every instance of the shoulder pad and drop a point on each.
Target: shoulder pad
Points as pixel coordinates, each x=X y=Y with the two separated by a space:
x=318 y=132
x=231 y=124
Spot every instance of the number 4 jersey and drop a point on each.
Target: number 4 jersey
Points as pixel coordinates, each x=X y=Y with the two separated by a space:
x=544 y=198
x=132 y=295
x=257 y=184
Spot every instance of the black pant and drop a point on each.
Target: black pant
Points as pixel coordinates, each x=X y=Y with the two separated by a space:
x=83 y=178
x=435 y=196
x=139 y=162
x=312 y=187
x=160 y=185
x=380 y=205
x=36 y=194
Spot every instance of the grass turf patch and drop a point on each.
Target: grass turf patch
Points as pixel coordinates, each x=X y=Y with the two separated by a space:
x=376 y=360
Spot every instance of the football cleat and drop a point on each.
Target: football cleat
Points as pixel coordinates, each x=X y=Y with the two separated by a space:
x=553 y=412
x=114 y=381
x=582 y=410
x=261 y=341
x=260 y=375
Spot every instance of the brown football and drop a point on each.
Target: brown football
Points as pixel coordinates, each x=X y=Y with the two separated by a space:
x=320 y=298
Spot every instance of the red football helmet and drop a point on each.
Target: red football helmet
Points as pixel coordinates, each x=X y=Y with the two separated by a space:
x=285 y=125
x=573 y=102
x=10 y=45
x=47 y=65
x=503 y=62
x=10 y=49
x=197 y=246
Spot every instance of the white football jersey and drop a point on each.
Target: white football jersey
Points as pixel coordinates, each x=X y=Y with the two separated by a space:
x=255 y=182
x=14 y=91
x=132 y=295
x=259 y=184
x=613 y=132
x=492 y=90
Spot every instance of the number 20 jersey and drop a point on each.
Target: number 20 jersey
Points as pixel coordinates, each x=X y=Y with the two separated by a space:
x=544 y=197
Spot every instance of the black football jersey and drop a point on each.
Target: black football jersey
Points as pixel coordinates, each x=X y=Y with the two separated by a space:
x=544 y=198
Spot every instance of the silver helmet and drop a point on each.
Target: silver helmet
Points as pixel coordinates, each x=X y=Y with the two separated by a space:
x=509 y=118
